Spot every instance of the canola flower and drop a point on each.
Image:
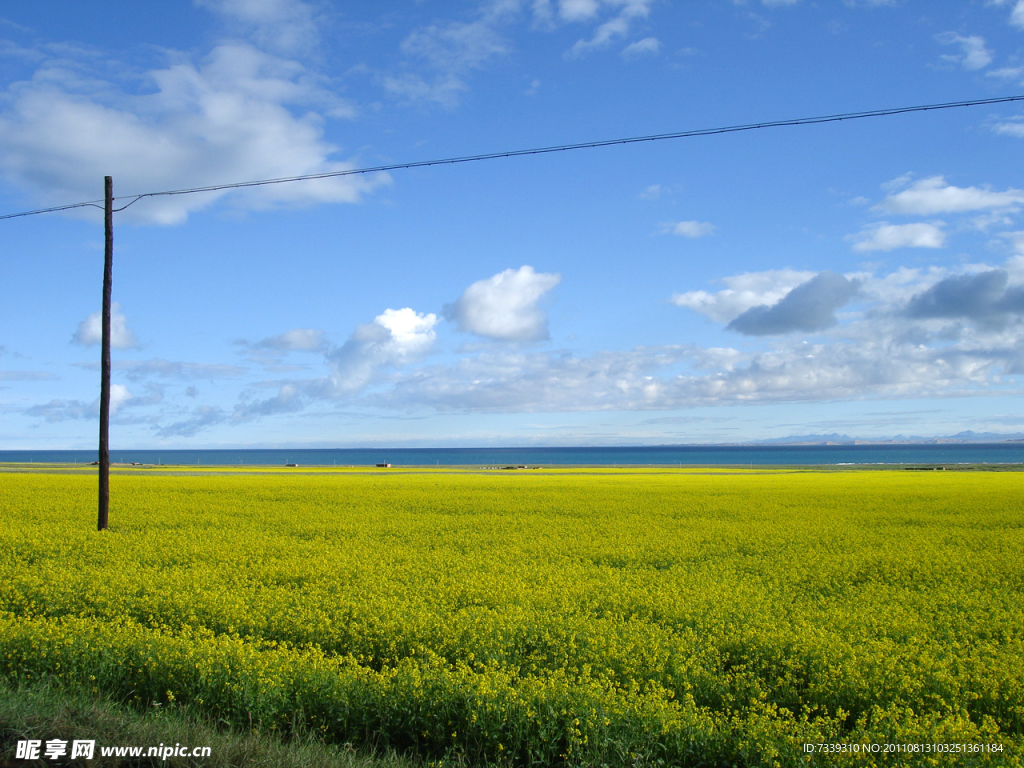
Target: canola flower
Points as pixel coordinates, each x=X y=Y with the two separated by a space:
x=576 y=618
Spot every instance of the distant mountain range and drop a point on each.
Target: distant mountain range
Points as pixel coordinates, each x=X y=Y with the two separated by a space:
x=970 y=436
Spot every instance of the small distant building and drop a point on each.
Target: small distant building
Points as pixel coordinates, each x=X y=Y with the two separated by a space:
x=291 y=465
x=384 y=465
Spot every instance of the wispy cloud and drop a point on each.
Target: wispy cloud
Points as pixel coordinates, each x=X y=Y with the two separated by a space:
x=281 y=25
x=649 y=46
x=614 y=28
x=1011 y=126
x=933 y=195
x=887 y=237
x=973 y=52
x=692 y=229
x=298 y=340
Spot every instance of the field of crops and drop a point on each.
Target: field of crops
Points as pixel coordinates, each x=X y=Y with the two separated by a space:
x=542 y=617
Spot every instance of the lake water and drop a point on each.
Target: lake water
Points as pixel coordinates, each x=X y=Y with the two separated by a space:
x=789 y=455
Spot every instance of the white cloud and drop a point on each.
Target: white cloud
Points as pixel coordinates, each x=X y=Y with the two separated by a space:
x=505 y=306
x=643 y=378
x=395 y=337
x=886 y=237
x=1006 y=73
x=913 y=333
x=298 y=340
x=1017 y=239
x=443 y=89
x=1012 y=126
x=119 y=396
x=284 y=25
x=229 y=118
x=1017 y=15
x=578 y=10
x=139 y=370
x=810 y=307
x=612 y=29
x=90 y=330
x=450 y=51
x=974 y=54
x=933 y=195
x=66 y=410
x=743 y=292
x=901 y=346
x=689 y=228
x=646 y=47
x=202 y=417
x=455 y=46
x=653 y=192
x=287 y=400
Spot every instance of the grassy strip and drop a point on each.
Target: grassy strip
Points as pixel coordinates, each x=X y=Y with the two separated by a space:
x=48 y=710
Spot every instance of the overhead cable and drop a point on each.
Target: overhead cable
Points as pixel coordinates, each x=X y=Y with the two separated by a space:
x=535 y=151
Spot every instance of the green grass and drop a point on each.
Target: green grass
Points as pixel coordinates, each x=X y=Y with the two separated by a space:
x=48 y=710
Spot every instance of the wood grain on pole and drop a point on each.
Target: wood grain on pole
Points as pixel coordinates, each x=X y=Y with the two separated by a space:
x=108 y=268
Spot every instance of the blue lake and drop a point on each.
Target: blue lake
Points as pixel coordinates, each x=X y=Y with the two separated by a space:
x=794 y=455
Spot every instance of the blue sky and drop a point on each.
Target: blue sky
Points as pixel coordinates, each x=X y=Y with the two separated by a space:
x=864 y=277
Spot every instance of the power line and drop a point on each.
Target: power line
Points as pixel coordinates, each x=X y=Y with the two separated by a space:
x=535 y=151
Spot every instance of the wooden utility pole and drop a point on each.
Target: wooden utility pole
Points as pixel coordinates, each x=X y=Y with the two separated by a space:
x=108 y=268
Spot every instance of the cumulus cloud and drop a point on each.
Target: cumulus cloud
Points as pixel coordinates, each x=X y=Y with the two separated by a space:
x=119 y=396
x=880 y=350
x=743 y=292
x=691 y=229
x=983 y=296
x=973 y=55
x=933 y=195
x=931 y=332
x=505 y=306
x=809 y=307
x=886 y=237
x=226 y=118
x=395 y=337
x=90 y=330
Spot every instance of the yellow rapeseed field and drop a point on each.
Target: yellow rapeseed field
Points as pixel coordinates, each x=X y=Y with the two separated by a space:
x=542 y=617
